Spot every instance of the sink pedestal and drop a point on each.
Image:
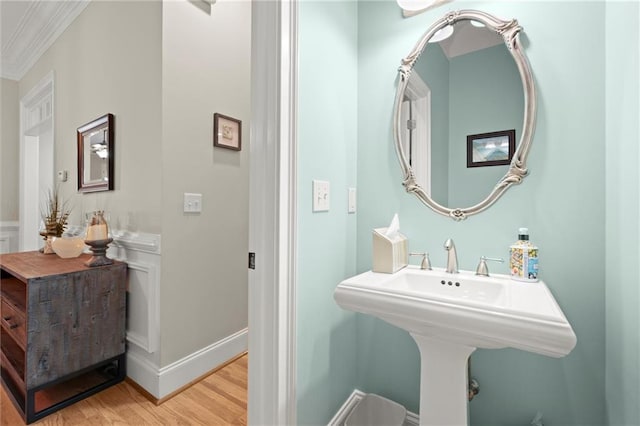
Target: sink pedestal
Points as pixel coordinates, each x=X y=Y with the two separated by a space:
x=443 y=381
x=448 y=322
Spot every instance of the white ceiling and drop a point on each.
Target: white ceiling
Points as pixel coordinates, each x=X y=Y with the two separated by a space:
x=28 y=28
x=468 y=38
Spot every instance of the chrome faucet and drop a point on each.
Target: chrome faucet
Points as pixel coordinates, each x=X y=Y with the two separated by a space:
x=452 y=256
x=426 y=262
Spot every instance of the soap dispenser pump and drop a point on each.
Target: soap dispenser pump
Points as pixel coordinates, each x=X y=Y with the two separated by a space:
x=523 y=258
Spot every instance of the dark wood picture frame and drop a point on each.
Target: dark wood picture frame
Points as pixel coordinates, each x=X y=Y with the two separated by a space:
x=486 y=142
x=227 y=132
x=96 y=150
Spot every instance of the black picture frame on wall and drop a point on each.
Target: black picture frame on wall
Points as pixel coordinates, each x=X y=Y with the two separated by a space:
x=491 y=149
x=227 y=132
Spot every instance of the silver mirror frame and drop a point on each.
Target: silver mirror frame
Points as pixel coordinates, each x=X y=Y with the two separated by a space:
x=509 y=30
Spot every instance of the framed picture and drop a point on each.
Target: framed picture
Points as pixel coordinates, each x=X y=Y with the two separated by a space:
x=491 y=149
x=227 y=132
x=96 y=161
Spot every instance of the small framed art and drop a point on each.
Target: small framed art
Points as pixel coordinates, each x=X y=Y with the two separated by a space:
x=227 y=132
x=491 y=149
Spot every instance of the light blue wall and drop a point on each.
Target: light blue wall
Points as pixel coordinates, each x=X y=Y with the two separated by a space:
x=622 y=213
x=433 y=67
x=486 y=96
x=478 y=92
x=561 y=202
x=327 y=140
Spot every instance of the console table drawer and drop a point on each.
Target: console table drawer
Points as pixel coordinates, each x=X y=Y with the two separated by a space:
x=13 y=322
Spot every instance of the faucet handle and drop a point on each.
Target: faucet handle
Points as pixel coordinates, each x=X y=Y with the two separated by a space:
x=482 y=268
x=426 y=262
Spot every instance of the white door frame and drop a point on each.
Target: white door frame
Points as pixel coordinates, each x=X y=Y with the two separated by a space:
x=272 y=213
x=419 y=94
x=36 y=157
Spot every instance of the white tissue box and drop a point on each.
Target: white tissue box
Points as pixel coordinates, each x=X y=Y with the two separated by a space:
x=389 y=253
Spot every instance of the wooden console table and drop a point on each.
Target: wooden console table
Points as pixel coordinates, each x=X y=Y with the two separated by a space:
x=62 y=330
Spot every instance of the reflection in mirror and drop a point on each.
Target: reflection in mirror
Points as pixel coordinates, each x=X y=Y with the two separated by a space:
x=474 y=88
x=95 y=155
x=463 y=78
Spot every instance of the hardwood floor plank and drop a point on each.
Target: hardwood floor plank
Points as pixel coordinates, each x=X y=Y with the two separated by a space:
x=211 y=402
x=218 y=399
x=8 y=414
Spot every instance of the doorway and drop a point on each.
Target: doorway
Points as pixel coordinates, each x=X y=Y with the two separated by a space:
x=416 y=113
x=36 y=160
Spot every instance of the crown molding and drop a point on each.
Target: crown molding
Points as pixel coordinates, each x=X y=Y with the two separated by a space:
x=38 y=29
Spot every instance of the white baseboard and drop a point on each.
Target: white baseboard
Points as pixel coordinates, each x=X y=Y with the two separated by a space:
x=351 y=402
x=143 y=372
x=412 y=419
x=161 y=382
x=345 y=409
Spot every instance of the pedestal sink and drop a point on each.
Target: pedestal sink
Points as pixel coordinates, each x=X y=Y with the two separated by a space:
x=449 y=316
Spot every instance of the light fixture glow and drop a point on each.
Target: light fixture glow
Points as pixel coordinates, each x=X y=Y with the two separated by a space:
x=414 y=7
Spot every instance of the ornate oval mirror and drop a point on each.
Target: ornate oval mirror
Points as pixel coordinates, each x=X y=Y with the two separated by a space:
x=464 y=113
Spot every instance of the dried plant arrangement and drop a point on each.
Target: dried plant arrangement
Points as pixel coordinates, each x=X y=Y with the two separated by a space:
x=55 y=214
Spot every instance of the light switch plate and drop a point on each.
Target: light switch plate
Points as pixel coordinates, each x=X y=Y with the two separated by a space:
x=192 y=202
x=352 y=201
x=320 y=196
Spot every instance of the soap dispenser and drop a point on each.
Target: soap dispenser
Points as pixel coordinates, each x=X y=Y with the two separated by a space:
x=523 y=258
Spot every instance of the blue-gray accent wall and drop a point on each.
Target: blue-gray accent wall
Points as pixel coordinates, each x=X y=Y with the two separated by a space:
x=580 y=203
x=552 y=202
x=622 y=202
x=326 y=246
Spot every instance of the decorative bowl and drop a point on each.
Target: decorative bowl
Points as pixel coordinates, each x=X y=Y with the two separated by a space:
x=68 y=247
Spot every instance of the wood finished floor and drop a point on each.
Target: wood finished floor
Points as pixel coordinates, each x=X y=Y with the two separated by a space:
x=219 y=399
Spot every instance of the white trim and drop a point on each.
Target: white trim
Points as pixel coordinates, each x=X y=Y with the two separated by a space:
x=345 y=409
x=356 y=396
x=412 y=419
x=141 y=252
x=9 y=236
x=272 y=233
x=150 y=342
x=288 y=209
x=44 y=90
x=161 y=382
x=186 y=370
x=139 y=241
x=419 y=95
x=9 y=226
x=38 y=29
x=143 y=372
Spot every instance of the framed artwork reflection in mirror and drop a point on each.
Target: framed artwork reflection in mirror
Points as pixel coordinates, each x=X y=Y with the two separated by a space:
x=96 y=154
x=491 y=149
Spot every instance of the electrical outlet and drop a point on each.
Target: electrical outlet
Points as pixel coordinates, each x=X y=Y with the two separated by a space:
x=192 y=203
x=320 y=196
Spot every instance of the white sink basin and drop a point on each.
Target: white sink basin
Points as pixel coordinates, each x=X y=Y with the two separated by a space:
x=485 y=312
x=449 y=316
